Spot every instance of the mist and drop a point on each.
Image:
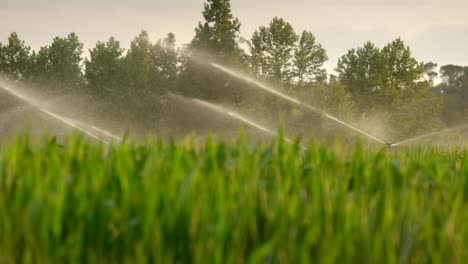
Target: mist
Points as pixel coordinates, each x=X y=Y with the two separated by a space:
x=226 y=81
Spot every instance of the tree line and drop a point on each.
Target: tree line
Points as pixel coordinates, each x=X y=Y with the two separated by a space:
x=369 y=81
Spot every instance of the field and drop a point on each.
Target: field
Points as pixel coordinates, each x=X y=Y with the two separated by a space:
x=81 y=202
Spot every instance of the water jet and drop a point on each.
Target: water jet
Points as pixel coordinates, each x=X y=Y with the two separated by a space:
x=293 y=100
x=406 y=141
x=241 y=118
x=37 y=105
x=64 y=120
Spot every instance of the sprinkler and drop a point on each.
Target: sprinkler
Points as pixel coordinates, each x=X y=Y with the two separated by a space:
x=389 y=145
x=241 y=118
x=293 y=100
x=66 y=121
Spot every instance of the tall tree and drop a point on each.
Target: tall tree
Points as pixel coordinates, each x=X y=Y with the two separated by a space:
x=2 y=59
x=401 y=70
x=278 y=54
x=151 y=68
x=165 y=57
x=390 y=82
x=61 y=63
x=272 y=51
x=381 y=75
x=15 y=59
x=103 y=69
x=454 y=88
x=453 y=76
x=308 y=61
x=430 y=72
x=360 y=72
x=138 y=65
x=219 y=33
x=217 y=39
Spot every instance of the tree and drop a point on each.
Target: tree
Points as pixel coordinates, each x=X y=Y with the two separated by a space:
x=401 y=72
x=406 y=95
x=165 y=58
x=308 y=61
x=152 y=69
x=390 y=82
x=60 y=64
x=333 y=98
x=454 y=89
x=103 y=69
x=430 y=72
x=219 y=34
x=15 y=59
x=216 y=39
x=272 y=51
x=278 y=54
x=2 y=58
x=454 y=76
x=138 y=66
x=376 y=78
x=360 y=72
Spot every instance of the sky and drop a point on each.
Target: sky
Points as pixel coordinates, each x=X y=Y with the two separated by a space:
x=436 y=30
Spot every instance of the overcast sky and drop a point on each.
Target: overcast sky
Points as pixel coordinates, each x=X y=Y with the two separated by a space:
x=436 y=30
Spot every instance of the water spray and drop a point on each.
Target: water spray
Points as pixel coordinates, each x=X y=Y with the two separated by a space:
x=295 y=101
x=54 y=115
x=95 y=128
x=62 y=119
x=242 y=119
x=319 y=111
x=406 y=141
x=107 y=133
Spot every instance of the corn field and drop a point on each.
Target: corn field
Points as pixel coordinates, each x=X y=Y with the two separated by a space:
x=167 y=202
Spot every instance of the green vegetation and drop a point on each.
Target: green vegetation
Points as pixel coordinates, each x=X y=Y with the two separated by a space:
x=386 y=84
x=185 y=202
x=213 y=203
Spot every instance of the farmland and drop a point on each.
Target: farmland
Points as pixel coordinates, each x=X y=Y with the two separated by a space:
x=176 y=202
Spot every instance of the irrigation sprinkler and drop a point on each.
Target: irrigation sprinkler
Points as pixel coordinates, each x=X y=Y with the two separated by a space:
x=241 y=118
x=294 y=100
x=406 y=141
x=66 y=121
x=321 y=112
x=71 y=124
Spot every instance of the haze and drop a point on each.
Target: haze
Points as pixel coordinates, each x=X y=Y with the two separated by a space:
x=436 y=30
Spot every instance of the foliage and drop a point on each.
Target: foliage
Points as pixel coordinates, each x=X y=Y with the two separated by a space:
x=272 y=51
x=60 y=64
x=334 y=99
x=278 y=54
x=104 y=68
x=374 y=83
x=216 y=39
x=308 y=61
x=430 y=72
x=168 y=203
x=77 y=202
x=454 y=88
x=15 y=59
x=219 y=33
x=389 y=81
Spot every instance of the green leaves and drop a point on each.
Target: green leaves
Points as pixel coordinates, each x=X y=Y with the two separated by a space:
x=15 y=59
x=308 y=61
x=389 y=83
x=280 y=55
x=61 y=61
x=219 y=33
x=218 y=203
x=103 y=67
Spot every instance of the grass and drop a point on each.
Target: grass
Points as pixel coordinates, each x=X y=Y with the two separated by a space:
x=176 y=203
